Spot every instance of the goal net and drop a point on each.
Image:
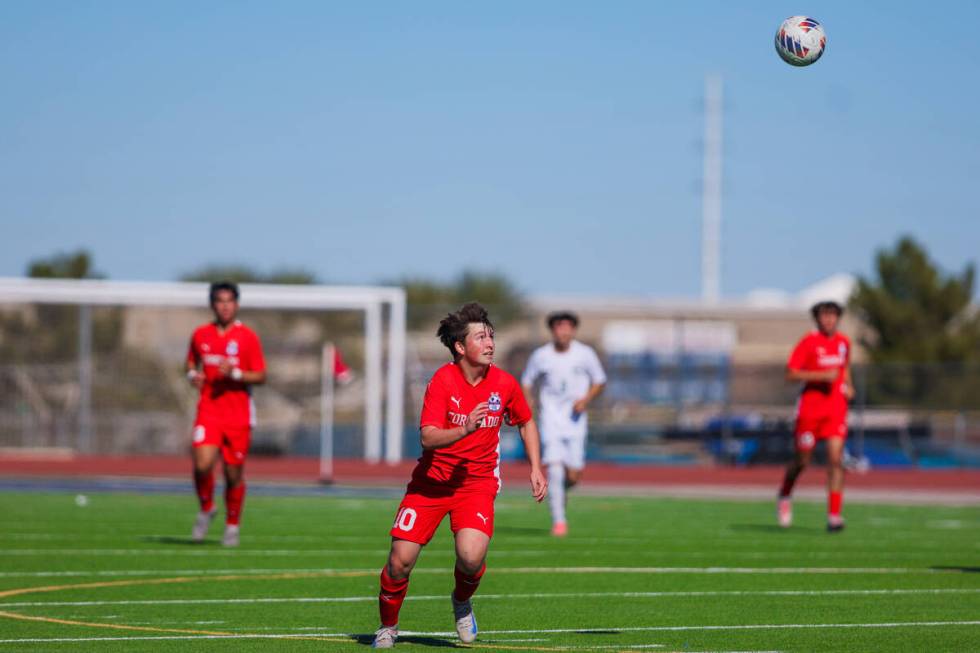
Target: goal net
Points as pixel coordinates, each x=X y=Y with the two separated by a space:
x=97 y=367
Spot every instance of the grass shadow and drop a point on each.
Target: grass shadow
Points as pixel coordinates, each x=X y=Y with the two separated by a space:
x=772 y=528
x=434 y=642
x=965 y=570
x=170 y=539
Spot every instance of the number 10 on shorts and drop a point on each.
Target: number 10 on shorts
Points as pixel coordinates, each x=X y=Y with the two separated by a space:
x=405 y=520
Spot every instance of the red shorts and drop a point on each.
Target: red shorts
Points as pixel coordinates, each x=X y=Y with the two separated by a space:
x=812 y=428
x=423 y=508
x=233 y=441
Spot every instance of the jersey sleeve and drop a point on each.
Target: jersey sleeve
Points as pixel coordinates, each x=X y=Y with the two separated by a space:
x=518 y=412
x=797 y=359
x=435 y=404
x=533 y=369
x=254 y=358
x=596 y=374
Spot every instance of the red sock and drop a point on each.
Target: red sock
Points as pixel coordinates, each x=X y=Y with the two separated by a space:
x=466 y=585
x=234 y=498
x=834 y=501
x=787 y=488
x=204 y=485
x=390 y=598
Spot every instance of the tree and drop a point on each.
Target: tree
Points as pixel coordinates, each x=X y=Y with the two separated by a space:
x=921 y=328
x=429 y=301
x=245 y=274
x=49 y=333
x=68 y=265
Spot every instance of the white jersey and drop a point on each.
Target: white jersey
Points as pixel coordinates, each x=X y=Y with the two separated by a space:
x=565 y=378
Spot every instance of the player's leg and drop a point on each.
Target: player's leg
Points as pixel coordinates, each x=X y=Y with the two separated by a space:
x=394 y=586
x=471 y=555
x=234 y=450
x=204 y=456
x=472 y=524
x=417 y=519
x=553 y=457
x=835 y=483
x=805 y=441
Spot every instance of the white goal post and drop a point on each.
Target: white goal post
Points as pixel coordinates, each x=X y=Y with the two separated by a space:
x=384 y=389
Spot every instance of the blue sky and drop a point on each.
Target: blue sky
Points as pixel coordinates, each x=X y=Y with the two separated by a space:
x=557 y=142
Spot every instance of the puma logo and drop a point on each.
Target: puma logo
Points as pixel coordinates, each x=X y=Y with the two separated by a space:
x=480 y=515
x=455 y=401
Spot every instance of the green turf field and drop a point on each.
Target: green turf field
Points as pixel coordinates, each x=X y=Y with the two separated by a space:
x=634 y=575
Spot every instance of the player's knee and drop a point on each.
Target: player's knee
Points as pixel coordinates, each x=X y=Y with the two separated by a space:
x=470 y=563
x=572 y=477
x=399 y=567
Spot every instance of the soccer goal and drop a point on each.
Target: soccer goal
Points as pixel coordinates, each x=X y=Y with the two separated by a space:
x=95 y=366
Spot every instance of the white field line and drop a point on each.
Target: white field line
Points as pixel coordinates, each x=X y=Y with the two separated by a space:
x=495 y=570
x=485 y=597
x=210 y=552
x=581 y=631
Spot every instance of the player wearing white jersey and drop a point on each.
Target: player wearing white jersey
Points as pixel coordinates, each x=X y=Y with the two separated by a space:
x=569 y=376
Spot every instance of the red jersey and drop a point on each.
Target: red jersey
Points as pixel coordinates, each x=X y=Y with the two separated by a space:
x=815 y=352
x=224 y=400
x=474 y=460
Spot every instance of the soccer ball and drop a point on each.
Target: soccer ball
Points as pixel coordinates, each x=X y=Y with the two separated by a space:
x=800 y=40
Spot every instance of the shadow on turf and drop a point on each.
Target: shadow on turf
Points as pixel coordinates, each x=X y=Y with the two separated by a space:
x=366 y=640
x=773 y=528
x=965 y=570
x=170 y=539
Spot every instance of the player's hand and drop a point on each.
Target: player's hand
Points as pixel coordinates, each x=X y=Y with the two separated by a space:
x=539 y=484
x=848 y=391
x=475 y=418
x=195 y=378
x=829 y=376
x=225 y=367
x=580 y=406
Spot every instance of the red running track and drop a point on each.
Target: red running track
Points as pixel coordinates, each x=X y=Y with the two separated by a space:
x=597 y=475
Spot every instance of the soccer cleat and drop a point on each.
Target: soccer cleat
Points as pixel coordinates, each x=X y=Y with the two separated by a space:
x=560 y=529
x=231 y=536
x=201 y=525
x=835 y=523
x=465 y=620
x=784 y=510
x=385 y=636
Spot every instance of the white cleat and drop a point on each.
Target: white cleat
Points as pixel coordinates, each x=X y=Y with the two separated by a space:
x=784 y=510
x=385 y=636
x=465 y=620
x=201 y=524
x=231 y=536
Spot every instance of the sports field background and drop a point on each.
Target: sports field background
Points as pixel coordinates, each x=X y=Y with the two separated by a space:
x=636 y=574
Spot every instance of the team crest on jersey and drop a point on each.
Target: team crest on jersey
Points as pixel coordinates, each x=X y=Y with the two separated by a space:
x=232 y=348
x=494 y=403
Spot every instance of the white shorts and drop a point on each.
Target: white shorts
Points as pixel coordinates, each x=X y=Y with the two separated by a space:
x=567 y=451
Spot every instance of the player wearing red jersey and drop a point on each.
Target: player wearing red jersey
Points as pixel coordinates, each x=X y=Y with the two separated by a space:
x=224 y=361
x=458 y=474
x=821 y=361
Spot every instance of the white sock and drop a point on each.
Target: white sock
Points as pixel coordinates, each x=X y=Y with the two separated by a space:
x=556 y=492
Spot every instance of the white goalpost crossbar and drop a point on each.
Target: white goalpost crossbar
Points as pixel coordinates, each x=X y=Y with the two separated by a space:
x=384 y=393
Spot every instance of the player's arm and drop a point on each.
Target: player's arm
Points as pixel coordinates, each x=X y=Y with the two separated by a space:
x=251 y=369
x=848 y=387
x=434 y=437
x=812 y=376
x=532 y=446
x=595 y=390
x=193 y=365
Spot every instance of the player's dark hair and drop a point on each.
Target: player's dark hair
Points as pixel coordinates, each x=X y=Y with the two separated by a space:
x=832 y=305
x=219 y=286
x=454 y=327
x=562 y=316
